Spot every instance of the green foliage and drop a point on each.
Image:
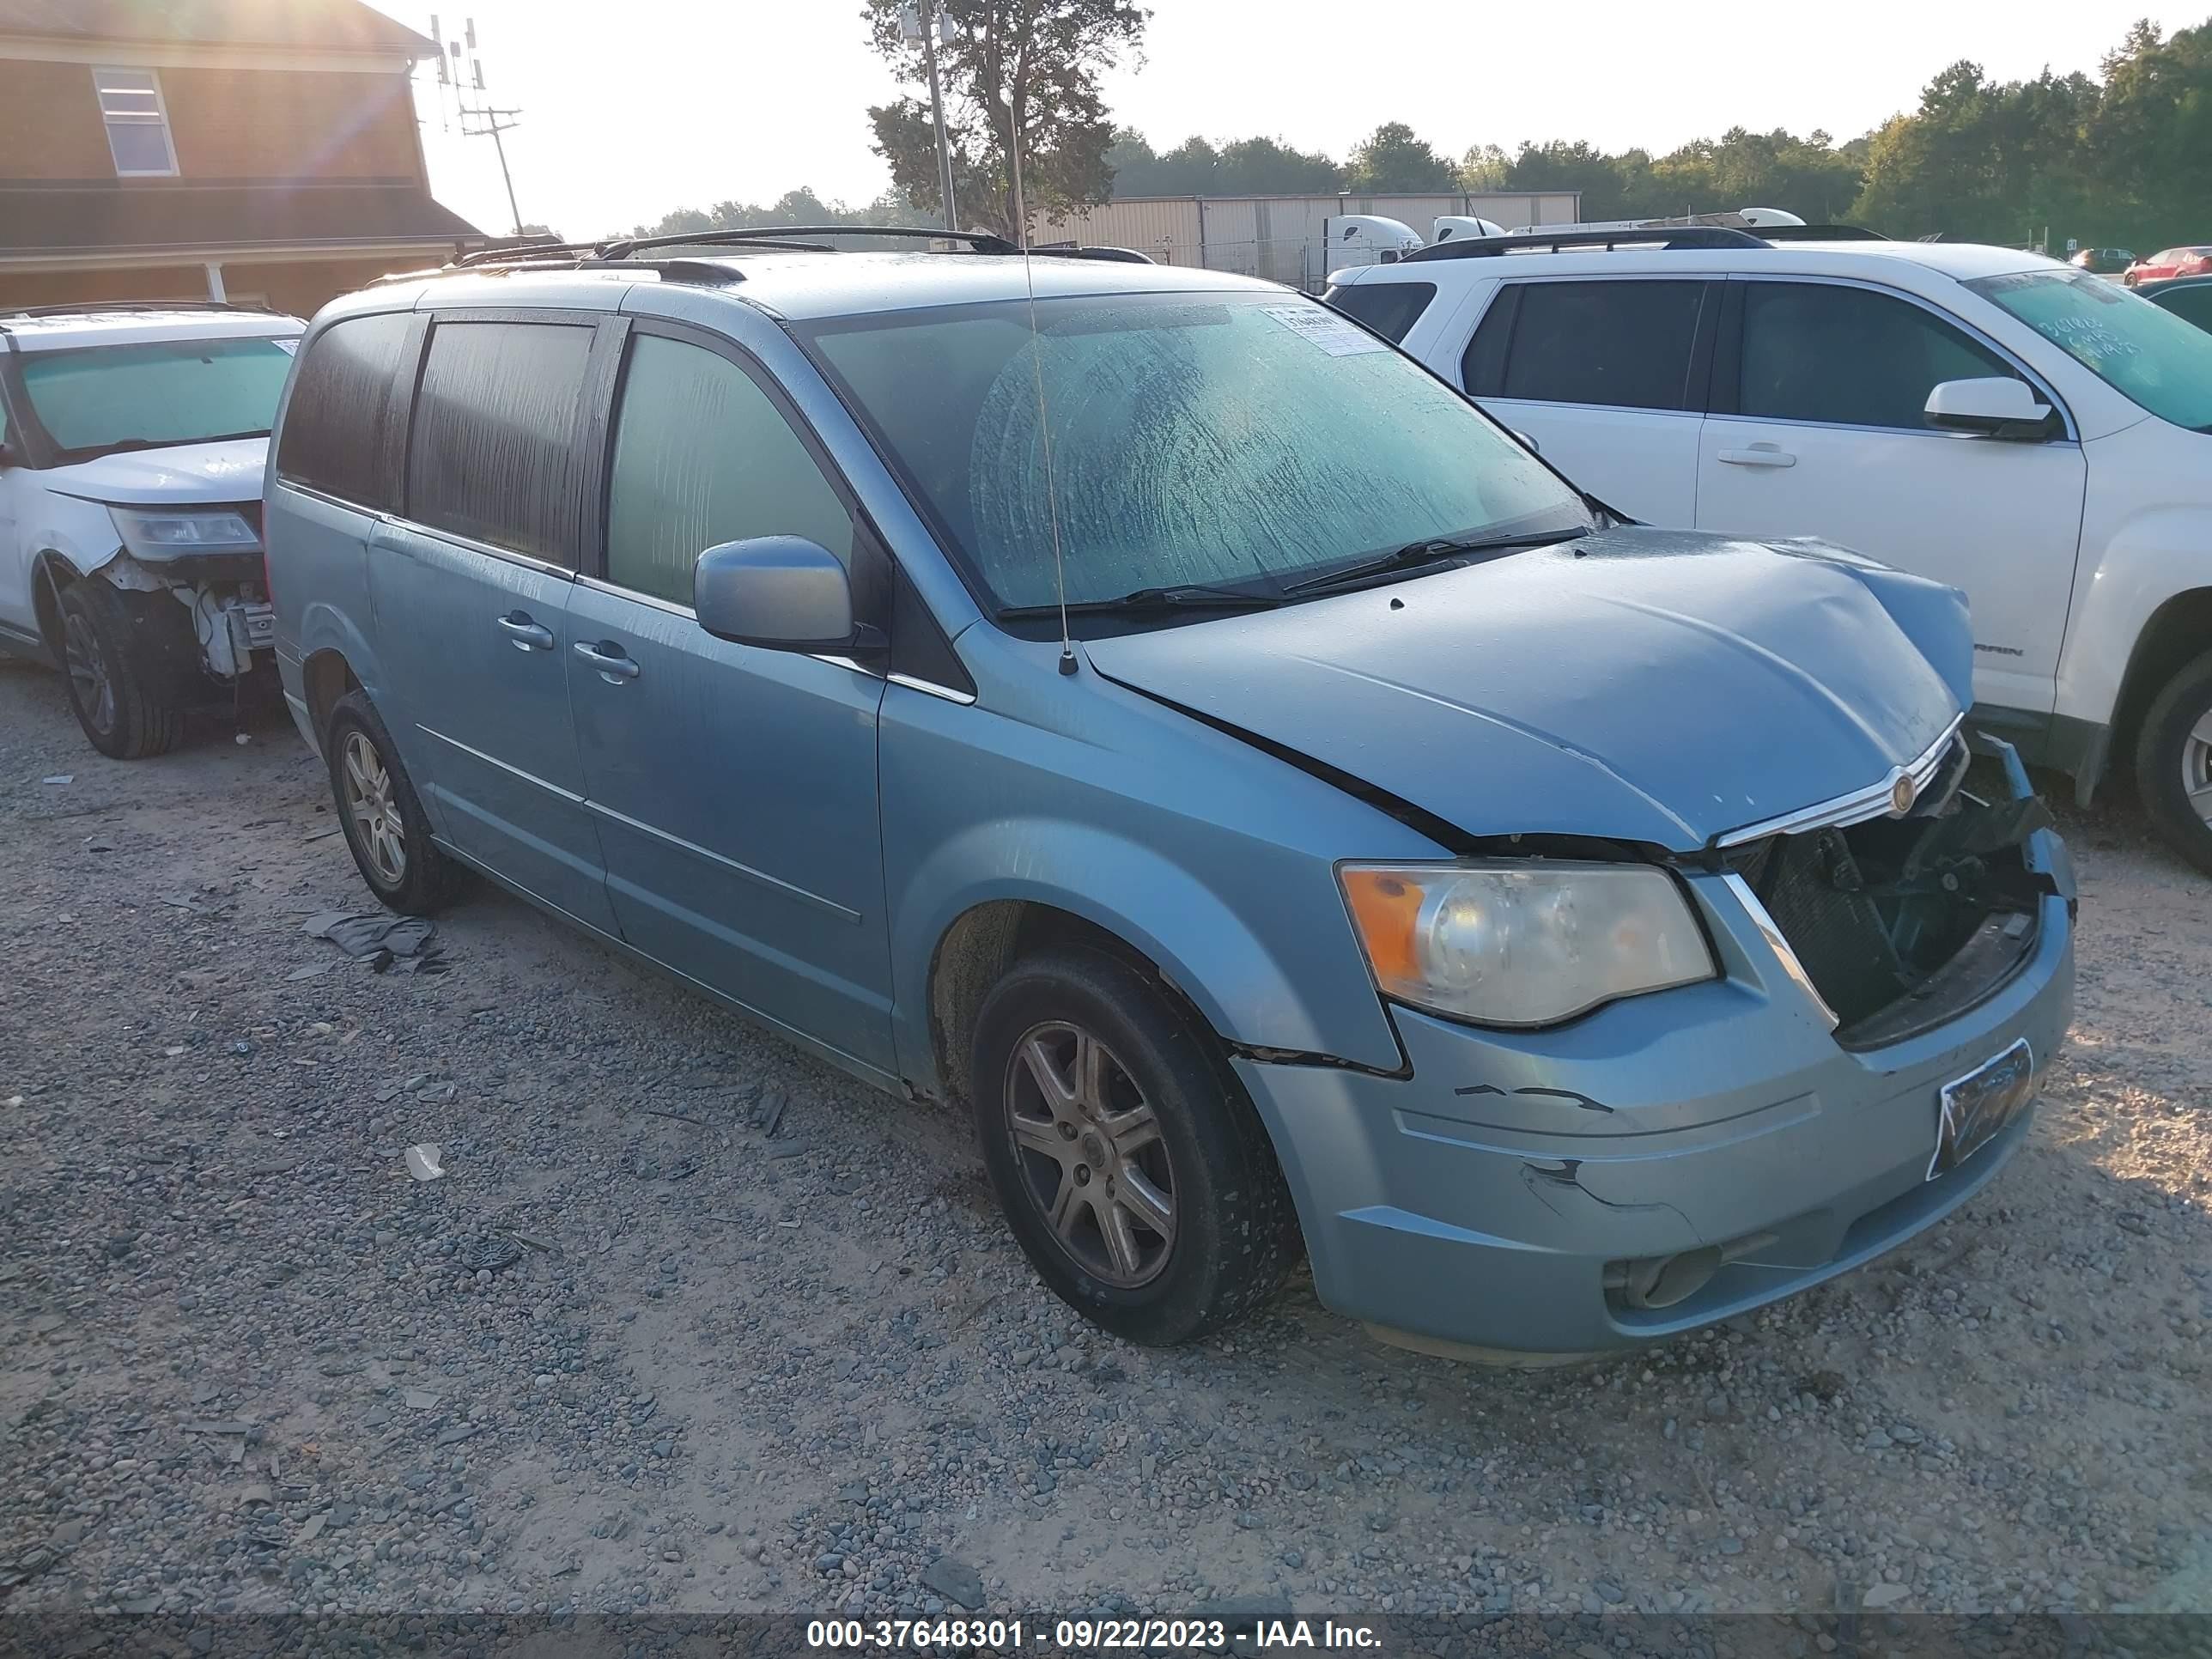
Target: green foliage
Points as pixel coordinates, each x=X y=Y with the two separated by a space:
x=1245 y=166
x=1024 y=70
x=1391 y=158
x=793 y=207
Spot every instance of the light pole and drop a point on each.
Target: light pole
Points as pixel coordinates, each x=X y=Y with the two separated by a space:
x=926 y=21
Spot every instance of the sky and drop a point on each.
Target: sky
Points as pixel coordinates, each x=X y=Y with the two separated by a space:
x=683 y=103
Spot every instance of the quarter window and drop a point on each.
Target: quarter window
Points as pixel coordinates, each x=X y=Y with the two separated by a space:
x=1845 y=356
x=338 y=426
x=138 y=124
x=1390 y=309
x=703 y=456
x=494 y=443
x=1623 y=344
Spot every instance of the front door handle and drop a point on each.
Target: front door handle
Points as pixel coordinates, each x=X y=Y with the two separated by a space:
x=1758 y=455
x=526 y=635
x=614 y=665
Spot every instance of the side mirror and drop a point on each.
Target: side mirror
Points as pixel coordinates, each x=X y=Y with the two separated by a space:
x=1997 y=407
x=783 y=592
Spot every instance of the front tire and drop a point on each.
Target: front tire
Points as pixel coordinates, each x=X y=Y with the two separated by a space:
x=1132 y=1169
x=382 y=816
x=116 y=702
x=2173 y=763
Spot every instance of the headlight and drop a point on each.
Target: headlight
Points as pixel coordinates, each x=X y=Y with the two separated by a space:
x=166 y=535
x=1513 y=944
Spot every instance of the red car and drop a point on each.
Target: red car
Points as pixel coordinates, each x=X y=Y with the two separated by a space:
x=2174 y=262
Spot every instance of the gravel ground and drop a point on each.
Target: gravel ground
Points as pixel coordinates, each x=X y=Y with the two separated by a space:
x=690 y=1323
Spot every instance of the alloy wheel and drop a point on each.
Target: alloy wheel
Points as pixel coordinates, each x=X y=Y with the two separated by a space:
x=368 y=792
x=1089 y=1149
x=2197 y=767
x=87 y=672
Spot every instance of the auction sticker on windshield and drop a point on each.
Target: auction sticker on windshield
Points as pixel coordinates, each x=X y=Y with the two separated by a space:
x=1335 y=335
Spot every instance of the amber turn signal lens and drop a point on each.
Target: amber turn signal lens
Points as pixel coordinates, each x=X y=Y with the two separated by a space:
x=1385 y=905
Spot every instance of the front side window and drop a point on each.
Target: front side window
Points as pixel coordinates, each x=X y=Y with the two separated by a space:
x=2147 y=355
x=1845 y=356
x=494 y=439
x=99 y=399
x=340 y=419
x=1390 y=309
x=702 y=457
x=1622 y=344
x=138 y=124
x=1205 y=439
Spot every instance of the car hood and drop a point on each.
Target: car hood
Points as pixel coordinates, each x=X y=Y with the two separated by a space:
x=1653 y=686
x=182 y=475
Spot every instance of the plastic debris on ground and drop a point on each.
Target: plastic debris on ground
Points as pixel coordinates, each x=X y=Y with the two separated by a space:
x=422 y=1162
x=407 y=943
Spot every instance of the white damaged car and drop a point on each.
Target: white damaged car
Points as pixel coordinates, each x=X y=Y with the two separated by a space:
x=132 y=439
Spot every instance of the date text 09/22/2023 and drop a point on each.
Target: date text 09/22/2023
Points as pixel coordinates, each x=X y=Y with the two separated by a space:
x=1090 y=1635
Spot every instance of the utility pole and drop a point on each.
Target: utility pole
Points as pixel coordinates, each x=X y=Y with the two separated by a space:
x=495 y=121
x=925 y=19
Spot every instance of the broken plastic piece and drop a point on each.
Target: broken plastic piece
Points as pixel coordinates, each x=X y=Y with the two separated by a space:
x=422 y=1162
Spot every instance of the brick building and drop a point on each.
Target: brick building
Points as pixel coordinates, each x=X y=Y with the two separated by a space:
x=252 y=149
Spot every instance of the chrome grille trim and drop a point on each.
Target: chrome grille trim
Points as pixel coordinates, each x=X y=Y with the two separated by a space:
x=1783 y=953
x=1873 y=801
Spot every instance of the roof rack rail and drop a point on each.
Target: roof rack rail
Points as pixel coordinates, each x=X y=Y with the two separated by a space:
x=1823 y=234
x=82 y=306
x=1671 y=236
x=499 y=256
x=983 y=242
x=706 y=272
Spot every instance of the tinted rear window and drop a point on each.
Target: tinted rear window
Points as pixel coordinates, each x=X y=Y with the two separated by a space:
x=340 y=419
x=1626 y=344
x=1390 y=309
x=495 y=445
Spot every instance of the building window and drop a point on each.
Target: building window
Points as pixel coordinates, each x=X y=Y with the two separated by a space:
x=137 y=125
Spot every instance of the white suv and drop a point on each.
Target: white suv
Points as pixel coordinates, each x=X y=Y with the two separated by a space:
x=131 y=446
x=2033 y=434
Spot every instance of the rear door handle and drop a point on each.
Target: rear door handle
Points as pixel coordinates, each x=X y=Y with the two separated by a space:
x=526 y=635
x=1758 y=455
x=614 y=665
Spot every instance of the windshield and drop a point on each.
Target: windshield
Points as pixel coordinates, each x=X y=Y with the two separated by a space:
x=1246 y=440
x=162 y=393
x=2142 y=352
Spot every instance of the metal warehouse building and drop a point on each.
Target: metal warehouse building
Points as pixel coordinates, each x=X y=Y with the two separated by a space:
x=1280 y=237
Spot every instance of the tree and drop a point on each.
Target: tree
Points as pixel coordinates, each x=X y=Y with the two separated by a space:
x=793 y=207
x=1016 y=73
x=1240 y=166
x=1391 y=159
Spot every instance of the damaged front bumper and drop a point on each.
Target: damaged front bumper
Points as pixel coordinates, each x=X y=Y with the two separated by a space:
x=226 y=613
x=1666 y=1161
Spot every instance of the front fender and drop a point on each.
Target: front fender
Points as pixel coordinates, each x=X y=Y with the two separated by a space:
x=1245 y=992
x=2151 y=557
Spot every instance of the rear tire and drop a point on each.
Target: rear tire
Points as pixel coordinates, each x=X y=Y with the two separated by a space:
x=385 y=825
x=2173 y=763
x=1132 y=1169
x=123 y=712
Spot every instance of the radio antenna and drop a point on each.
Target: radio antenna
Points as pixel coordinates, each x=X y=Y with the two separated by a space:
x=1044 y=421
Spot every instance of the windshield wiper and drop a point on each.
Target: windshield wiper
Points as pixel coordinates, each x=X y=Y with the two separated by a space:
x=124 y=445
x=1431 y=550
x=1183 y=596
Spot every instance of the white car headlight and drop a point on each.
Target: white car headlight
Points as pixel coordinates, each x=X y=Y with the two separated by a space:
x=1522 y=944
x=166 y=535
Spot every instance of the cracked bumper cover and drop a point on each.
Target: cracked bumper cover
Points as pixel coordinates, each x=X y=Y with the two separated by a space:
x=1479 y=1200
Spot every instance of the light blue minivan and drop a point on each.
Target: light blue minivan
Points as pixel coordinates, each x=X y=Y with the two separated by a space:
x=1139 y=705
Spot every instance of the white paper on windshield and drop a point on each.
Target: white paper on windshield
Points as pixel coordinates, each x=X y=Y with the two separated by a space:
x=1333 y=334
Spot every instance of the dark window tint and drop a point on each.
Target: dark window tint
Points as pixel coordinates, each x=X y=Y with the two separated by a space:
x=1628 y=344
x=1390 y=309
x=343 y=409
x=495 y=455
x=1816 y=351
x=703 y=456
x=2192 y=305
